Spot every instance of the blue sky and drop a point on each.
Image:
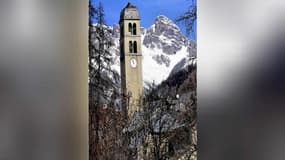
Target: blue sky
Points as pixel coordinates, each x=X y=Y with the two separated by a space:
x=149 y=10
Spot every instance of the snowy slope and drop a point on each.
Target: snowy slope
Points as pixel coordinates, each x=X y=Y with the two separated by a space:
x=183 y=65
x=163 y=47
x=154 y=71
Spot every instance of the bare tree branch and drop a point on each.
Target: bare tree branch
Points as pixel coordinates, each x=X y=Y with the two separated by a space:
x=189 y=17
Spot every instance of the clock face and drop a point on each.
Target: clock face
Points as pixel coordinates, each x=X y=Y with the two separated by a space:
x=133 y=63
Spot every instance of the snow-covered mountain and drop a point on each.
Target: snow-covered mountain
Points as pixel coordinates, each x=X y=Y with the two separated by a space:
x=164 y=47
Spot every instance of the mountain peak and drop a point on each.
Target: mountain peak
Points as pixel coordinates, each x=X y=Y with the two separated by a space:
x=165 y=22
x=163 y=18
x=164 y=34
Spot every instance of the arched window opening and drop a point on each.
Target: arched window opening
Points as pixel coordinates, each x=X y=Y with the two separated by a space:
x=135 y=47
x=121 y=30
x=131 y=47
x=130 y=28
x=134 y=29
x=122 y=50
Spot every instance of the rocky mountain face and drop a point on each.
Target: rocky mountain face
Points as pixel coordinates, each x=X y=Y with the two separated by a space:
x=165 y=35
x=164 y=47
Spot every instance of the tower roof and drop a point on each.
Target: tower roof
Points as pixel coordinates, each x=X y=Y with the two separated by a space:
x=129 y=5
x=130 y=12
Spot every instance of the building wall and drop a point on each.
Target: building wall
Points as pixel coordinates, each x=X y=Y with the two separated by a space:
x=131 y=77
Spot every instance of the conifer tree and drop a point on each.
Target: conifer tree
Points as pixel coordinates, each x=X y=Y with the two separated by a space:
x=100 y=60
x=100 y=73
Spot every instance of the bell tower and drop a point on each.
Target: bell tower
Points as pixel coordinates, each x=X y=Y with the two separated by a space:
x=131 y=59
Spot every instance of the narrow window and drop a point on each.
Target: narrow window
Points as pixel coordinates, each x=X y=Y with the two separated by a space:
x=130 y=28
x=122 y=30
x=122 y=50
x=134 y=29
x=131 y=47
x=135 y=47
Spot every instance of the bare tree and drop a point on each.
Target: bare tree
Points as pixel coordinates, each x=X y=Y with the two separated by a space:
x=162 y=121
x=170 y=119
x=189 y=17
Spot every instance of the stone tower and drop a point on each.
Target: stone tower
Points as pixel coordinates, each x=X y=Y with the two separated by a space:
x=131 y=58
